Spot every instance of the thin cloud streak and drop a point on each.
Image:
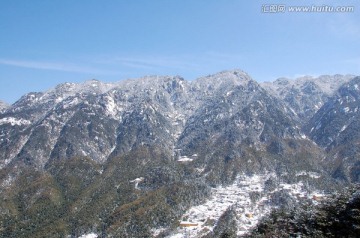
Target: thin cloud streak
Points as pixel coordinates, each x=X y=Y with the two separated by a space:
x=180 y=62
x=155 y=62
x=54 y=66
x=131 y=66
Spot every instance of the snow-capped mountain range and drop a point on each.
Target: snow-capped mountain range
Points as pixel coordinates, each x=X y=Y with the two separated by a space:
x=94 y=111
x=79 y=146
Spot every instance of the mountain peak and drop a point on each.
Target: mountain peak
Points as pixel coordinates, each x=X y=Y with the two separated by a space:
x=234 y=77
x=3 y=106
x=231 y=74
x=282 y=81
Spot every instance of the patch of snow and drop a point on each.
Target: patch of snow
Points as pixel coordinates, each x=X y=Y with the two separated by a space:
x=235 y=195
x=346 y=109
x=301 y=173
x=185 y=159
x=314 y=175
x=310 y=174
x=293 y=111
x=73 y=102
x=14 y=121
x=137 y=181
x=90 y=235
x=84 y=153
x=343 y=128
x=202 y=218
x=200 y=170
x=111 y=106
x=177 y=236
x=157 y=231
x=58 y=99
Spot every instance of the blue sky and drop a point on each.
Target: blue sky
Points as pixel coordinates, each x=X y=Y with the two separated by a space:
x=44 y=43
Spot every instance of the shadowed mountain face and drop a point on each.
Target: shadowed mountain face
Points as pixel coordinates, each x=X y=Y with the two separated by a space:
x=70 y=153
x=335 y=127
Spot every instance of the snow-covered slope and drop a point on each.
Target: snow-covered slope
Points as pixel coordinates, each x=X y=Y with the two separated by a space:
x=248 y=197
x=305 y=95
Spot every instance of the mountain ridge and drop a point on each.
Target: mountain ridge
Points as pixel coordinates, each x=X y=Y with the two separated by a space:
x=173 y=97
x=307 y=94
